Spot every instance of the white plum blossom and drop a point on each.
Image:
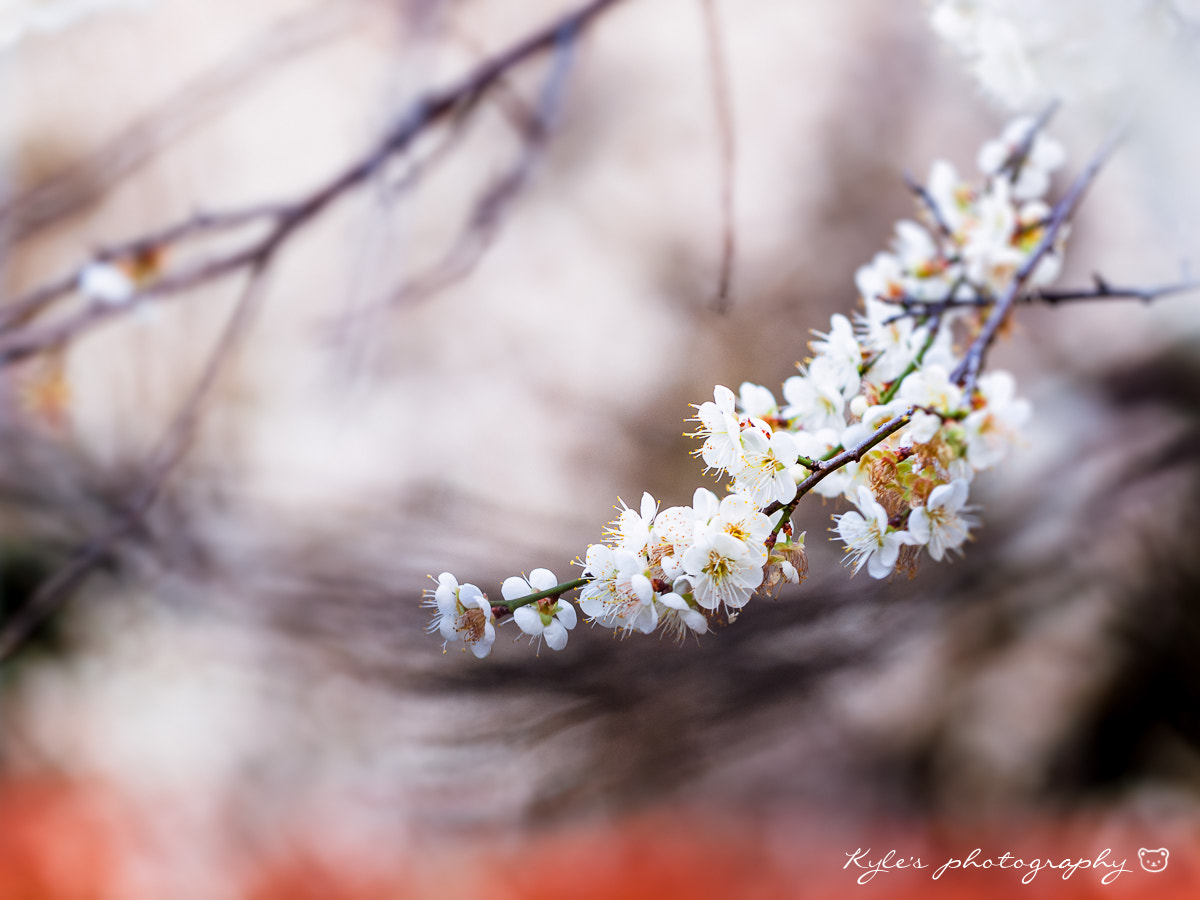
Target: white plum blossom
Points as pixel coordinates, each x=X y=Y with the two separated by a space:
x=734 y=514
x=722 y=433
x=620 y=594
x=922 y=429
x=993 y=428
x=757 y=402
x=551 y=618
x=677 y=617
x=891 y=340
x=106 y=283
x=767 y=472
x=929 y=386
x=950 y=194
x=867 y=537
x=815 y=399
x=843 y=352
x=462 y=614
x=989 y=255
x=632 y=529
x=941 y=524
x=723 y=571
x=1044 y=156
x=671 y=535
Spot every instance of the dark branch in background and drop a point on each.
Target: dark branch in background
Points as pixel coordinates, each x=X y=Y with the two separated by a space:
x=159 y=466
x=723 y=105
x=86 y=182
x=535 y=126
x=930 y=204
x=1020 y=154
x=912 y=306
x=274 y=225
x=284 y=219
x=1105 y=291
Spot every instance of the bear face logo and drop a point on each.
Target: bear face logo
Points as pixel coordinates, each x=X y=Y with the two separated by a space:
x=1153 y=860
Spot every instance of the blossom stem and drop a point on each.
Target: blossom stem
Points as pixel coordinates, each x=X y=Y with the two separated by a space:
x=556 y=591
x=831 y=465
x=966 y=372
x=916 y=360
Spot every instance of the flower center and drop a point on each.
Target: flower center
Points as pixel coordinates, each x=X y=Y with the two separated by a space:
x=471 y=622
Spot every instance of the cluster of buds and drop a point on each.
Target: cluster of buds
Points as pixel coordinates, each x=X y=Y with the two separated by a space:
x=885 y=414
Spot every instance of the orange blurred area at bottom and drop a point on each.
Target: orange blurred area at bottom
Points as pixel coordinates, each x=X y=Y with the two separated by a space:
x=61 y=840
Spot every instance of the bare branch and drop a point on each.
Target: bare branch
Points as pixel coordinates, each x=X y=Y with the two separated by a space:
x=1105 y=291
x=85 y=182
x=967 y=370
x=161 y=463
x=287 y=218
x=930 y=204
x=723 y=106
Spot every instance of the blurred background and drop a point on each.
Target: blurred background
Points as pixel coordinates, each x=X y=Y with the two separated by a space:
x=242 y=701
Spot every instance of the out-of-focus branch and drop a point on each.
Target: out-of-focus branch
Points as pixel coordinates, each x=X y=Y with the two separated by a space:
x=967 y=370
x=723 y=106
x=21 y=335
x=284 y=219
x=159 y=466
x=85 y=182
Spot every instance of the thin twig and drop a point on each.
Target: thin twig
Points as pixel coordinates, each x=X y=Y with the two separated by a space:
x=930 y=204
x=288 y=218
x=1020 y=154
x=968 y=368
x=161 y=463
x=84 y=183
x=723 y=106
x=1105 y=291
x=826 y=467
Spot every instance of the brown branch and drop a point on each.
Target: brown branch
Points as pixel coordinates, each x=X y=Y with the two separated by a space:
x=1105 y=291
x=723 y=106
x=490 y=209
x=826 y=467
x=926 y=198
x=287 y=218
x=968 y=368
x=1020 y=154
x=161 y=463
x=85 y=182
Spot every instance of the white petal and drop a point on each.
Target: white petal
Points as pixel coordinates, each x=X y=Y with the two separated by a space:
x=528 y=619
x=542 y=580
x=566 y=614
x=555 y=635
x=515 y=587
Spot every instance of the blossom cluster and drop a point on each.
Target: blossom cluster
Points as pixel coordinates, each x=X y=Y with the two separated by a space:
x=883 y=414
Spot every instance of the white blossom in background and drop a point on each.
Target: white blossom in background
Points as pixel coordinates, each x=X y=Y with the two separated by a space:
x=1044 y=156
x=993 y=428
x=106 y=283
x=1024 y=53
x=942 y=523
x=22 y=18
x=757 y=402
x=815 y=399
